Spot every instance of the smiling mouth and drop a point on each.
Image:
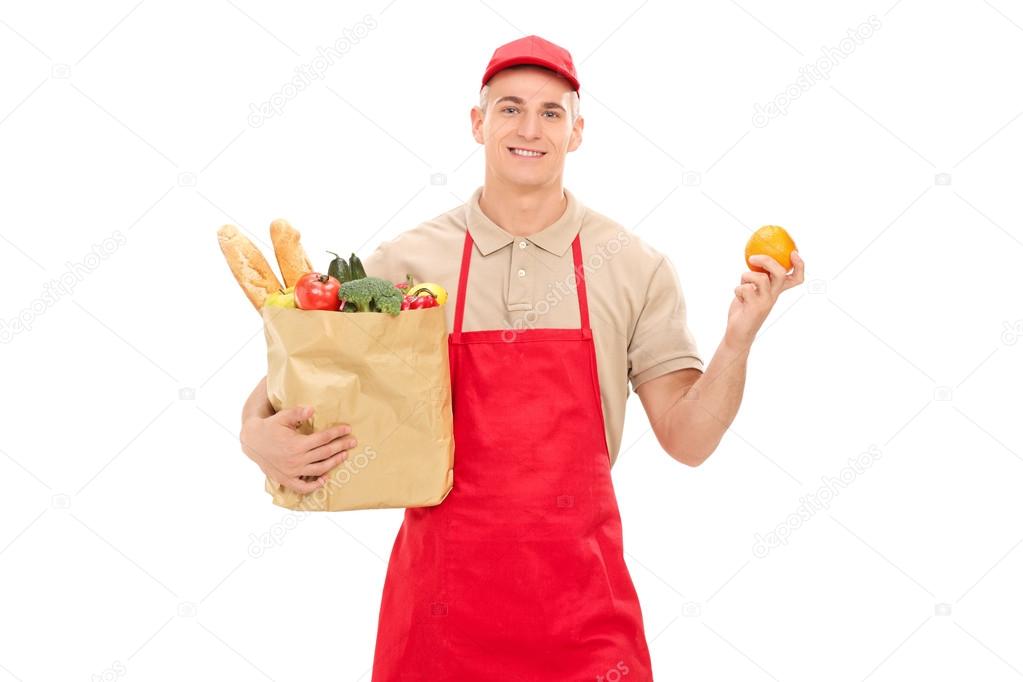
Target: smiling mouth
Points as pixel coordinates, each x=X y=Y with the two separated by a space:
x=523 y=153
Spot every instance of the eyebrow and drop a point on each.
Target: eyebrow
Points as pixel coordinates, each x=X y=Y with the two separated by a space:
x=519 y=100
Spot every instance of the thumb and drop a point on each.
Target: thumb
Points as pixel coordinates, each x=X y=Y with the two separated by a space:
x=293 y=416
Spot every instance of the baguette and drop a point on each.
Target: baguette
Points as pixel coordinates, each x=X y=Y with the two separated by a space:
x=248 y=265
x=291 y=256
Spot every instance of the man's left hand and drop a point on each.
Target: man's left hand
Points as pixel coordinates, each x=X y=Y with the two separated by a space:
x=756 y=295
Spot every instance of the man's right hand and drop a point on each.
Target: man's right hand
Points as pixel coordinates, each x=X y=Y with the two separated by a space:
x=295 y=460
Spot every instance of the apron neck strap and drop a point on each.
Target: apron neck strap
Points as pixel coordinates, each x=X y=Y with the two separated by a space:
x=578 y=269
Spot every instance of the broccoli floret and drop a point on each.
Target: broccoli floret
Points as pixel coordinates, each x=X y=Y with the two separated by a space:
x=372 y=295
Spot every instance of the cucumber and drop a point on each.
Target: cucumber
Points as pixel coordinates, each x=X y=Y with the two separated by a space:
x=339 y=268
x=357 y=271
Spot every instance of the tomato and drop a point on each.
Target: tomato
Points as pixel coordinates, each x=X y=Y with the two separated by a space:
x=317 y=292
x=418 y=302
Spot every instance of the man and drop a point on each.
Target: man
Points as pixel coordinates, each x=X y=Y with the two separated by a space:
x=519 y=574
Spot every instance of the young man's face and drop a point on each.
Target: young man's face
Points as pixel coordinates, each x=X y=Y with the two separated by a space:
x=528 y=108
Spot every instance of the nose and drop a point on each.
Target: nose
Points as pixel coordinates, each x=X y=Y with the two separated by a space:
x=529 y=127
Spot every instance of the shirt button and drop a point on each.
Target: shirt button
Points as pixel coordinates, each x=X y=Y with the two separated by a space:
x=523 y=245
x=522 y=273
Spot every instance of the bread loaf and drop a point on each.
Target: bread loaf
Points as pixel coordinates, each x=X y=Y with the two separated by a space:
x=249 y=267
x=291 y=256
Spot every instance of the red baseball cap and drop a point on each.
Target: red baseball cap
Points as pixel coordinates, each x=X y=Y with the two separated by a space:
x=536 y=51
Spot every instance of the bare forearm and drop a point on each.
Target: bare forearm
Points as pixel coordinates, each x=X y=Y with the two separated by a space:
x=257 y=404
x=700 y=418
x=690 y=416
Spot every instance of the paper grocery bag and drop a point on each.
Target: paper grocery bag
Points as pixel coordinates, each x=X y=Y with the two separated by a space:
x=385 y=375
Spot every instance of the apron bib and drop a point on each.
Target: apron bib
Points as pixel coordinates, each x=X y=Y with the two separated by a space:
x=519 y=574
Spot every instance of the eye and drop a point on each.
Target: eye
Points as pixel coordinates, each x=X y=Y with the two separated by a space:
x=553 y=113
x=509 y=109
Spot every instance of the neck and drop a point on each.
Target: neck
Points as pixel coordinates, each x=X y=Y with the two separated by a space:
x=523 y=211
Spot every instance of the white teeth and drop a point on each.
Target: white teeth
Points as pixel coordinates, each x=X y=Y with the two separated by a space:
x=523 y=152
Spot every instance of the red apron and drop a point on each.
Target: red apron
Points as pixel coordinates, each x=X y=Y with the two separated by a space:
x=519 y=574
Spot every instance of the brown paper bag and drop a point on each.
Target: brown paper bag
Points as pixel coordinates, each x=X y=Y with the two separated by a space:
x=387 y=376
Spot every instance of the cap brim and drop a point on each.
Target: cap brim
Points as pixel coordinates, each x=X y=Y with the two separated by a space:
x=532 y=61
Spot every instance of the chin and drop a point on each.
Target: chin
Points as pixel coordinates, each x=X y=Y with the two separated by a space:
x=526 y=179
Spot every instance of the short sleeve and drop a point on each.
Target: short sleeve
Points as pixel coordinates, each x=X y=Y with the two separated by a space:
x=661 y=341
x=382 y=262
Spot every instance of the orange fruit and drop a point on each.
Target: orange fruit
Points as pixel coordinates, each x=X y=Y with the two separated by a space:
x=773 y=241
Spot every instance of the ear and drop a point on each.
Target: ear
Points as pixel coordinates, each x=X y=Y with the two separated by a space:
x=577 y=134
x=476 y=116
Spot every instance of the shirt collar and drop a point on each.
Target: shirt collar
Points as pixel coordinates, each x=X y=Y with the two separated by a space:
x=555 y=238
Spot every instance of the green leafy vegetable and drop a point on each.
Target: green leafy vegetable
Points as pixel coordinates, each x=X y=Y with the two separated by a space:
x=371 y=295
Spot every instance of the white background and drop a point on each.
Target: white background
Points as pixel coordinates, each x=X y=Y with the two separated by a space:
x=128 y=511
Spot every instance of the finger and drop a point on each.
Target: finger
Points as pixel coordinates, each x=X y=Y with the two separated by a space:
x=756 y=283
x=744 y=291
x=757 y=279
x=773 y=267
x=304 y=487
x=315 y=440
x=798 y=265
x=293 y=416
x=299 y=484
x=796 y=277
x=329 y=450
x=319 y=468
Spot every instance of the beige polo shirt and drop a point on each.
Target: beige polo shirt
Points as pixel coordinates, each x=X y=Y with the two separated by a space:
x=637 y=310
